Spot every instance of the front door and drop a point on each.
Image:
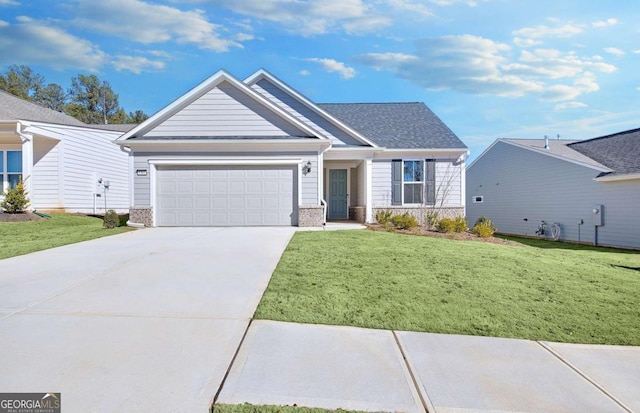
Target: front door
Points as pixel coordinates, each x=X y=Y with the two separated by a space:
x=338 y=194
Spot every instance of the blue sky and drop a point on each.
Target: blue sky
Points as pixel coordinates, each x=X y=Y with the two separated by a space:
x=488 y=68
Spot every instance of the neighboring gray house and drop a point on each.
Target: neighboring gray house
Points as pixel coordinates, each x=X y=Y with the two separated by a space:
x=61 y=159
x=257 y=152
x=591 y=188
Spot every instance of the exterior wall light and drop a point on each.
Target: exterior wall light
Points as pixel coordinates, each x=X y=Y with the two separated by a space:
x=306 y=168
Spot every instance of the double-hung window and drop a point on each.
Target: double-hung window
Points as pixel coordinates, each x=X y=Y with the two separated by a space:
x=413 y=182
x=10 y=168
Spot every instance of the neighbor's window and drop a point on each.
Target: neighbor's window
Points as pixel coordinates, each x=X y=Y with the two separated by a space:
x=413 y=182
x=478 y=199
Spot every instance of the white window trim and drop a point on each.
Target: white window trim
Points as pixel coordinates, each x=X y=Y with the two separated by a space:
x=474 y=201
x=4 y=175
x=423 y=182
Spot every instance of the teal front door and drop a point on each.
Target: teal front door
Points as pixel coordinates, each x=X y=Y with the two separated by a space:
x=338 y=194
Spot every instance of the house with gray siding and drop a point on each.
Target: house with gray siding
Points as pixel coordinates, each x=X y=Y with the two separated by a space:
x=65 y=165
x=590 y=188
x=257 y=152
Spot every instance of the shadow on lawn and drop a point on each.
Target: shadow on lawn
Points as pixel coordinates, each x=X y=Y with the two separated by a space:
x=546 y=244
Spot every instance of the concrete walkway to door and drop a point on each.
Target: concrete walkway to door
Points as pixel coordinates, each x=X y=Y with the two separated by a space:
x=144 y=321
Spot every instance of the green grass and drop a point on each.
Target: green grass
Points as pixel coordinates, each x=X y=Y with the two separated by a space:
x=543 y=291
x=250 y=408
x=18 y=238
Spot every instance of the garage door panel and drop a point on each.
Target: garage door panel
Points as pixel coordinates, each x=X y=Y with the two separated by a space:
x=226 y=195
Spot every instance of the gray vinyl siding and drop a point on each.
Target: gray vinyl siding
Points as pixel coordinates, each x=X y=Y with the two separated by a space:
x=45 y=180
x=381 y=183
x=303 y=113
x=224 y=111
x=517 y=183
x=142 y=184
x=447 y=182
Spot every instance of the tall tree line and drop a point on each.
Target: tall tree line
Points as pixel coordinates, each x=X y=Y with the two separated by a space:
x=88 y=99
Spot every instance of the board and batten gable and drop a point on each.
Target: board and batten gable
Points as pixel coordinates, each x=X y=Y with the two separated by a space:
x=224 y=111
x=520 y=188
x=142 y=183
x=303 y=113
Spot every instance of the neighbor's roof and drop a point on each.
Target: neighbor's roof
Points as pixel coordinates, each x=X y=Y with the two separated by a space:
x=410 y=125
x=116 y=127
x=558 y=148
x=13 y=108
x=619 y=152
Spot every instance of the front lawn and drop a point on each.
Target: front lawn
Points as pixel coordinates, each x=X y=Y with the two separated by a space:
x=545 y=291
x=18 y=238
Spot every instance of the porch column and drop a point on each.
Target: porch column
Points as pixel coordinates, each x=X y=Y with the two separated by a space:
x=27 y=163
x=367 y=191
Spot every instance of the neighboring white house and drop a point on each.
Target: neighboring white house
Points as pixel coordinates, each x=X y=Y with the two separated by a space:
x=257 y=152
x=591 y=188
x=63 y=162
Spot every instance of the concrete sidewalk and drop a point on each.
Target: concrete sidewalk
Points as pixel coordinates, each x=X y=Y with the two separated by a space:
x=376 y=370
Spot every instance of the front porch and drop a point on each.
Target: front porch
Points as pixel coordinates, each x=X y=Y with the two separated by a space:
x=345 y=190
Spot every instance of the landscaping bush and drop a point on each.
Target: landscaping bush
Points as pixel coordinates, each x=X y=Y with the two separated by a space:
x=483 y=227
x=111 y=219
x=483 y=230
x=15 y=200
x=431 y=218
x=460 y=224
x=383 y=216
x=404 y=221
x=446 y=225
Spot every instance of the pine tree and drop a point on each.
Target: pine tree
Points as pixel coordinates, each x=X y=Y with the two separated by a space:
x=15 y=200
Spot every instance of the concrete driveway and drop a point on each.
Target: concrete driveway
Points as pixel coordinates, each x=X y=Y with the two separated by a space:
x=144 y=321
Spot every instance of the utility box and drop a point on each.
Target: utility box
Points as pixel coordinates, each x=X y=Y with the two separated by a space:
x=598 y=215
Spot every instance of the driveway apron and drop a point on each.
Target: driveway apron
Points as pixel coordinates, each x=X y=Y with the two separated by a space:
x=144 y=321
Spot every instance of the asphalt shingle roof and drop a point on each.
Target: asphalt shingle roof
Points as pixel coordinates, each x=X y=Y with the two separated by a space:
x=560 y=148
x=13 y=108
x=410 y=125
x=620 y=151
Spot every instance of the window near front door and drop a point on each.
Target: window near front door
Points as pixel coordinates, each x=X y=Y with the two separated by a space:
x=10 y=168
x=413 y=182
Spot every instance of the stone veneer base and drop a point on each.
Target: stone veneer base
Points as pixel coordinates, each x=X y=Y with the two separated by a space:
x=310 y=216
x=141 y=215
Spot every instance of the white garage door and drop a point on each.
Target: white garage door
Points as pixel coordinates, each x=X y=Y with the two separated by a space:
x=226 y=195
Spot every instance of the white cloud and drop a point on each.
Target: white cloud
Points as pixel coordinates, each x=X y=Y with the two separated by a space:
x=637 y=51
x=605 y=23
x=304 y=73
x=476 y=65
x=542 y=31
x=149 y=23
x=9 y=3
x=470 y=3
x=38 y=42
x=313 y=17
x=136 y=64
x=331 y=65
x=411 y=7
x=614 y=51
x=570 y=105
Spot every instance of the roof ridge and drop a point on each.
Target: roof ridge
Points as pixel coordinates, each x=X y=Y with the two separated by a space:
x=610 y=135
x=368 y=103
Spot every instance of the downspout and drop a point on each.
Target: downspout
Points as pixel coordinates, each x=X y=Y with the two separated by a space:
x=27 y=160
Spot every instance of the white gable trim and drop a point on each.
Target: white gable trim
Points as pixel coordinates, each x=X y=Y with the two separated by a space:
x=210 y=83
x=625 y=177
x=263 y=74
x=541 y=152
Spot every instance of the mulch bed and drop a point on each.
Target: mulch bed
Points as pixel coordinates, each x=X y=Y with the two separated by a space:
x=25 y=216
x=459 y=236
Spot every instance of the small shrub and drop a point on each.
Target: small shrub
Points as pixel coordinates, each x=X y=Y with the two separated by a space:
x=111 y=219
x=404 y=221
x=383 y=216
x=15 y=200
x=460 y=224
x=446 y=225
x=431 y=218
x=483 y=230
x=483 y=220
